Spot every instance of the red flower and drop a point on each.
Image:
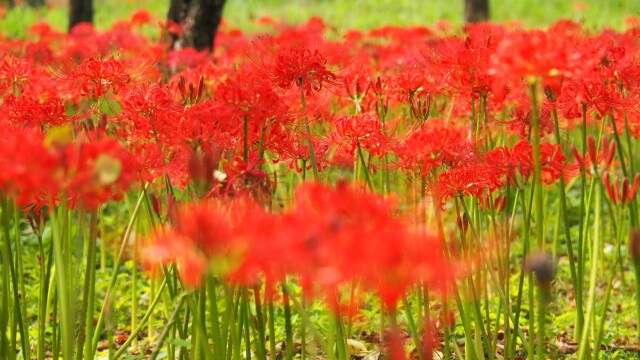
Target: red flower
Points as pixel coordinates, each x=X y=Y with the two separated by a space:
x=141 y=17
x=591 y=93
x=96 y=77
x=93 y=171
x=28 y=166
x=364 y=130
x=436 y=144
x=29 y=111
x=297 y=66
x=624 y=193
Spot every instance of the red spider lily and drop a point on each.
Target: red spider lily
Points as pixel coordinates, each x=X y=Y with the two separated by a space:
x=519 y=160
x=436 y=144
x=171 y=246
x=530 y=54
x=319 y=239
x=477 y=180
x=141 y=17
x=39 y=53
x=357 y=83
x=498 y=204
x=363 y=130
x=481 y=177
x=28 y=176
x=463 y=64
x=14 y=74
x=29 y=111
x=296 y=66
x=95 y=77
x=521 y=121
x=202 y=166
x=596 y=159
x=86 y=173
x=194 y=94
x=205 y=237
x=246 y=96
x=148 y=112
x=242 y=177
x=292 y=148
x=333 y=223
x=623 y=193
x=589 y=93
x=412 y=84
x=94 y=171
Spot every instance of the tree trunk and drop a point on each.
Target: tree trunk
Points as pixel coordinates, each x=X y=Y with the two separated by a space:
x=178 y=10
x=177 y=14
x=476 y=11
x=199 y=19
x=80 y=11
x=35 y=3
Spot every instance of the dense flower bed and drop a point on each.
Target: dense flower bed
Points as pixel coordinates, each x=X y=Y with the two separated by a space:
x=418 y=166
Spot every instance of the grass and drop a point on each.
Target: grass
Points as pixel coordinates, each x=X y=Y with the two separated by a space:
x=348 y=14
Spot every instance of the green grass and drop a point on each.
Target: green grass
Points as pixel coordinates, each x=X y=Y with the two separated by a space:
x=347 y=14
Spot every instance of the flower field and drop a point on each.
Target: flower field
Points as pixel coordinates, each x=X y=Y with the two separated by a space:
x=395 y=193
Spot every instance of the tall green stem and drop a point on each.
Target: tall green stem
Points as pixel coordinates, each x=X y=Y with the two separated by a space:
x=64 y=299
x=86 y=310
x=567 y=234
x=312 y=153
x=116 y=269
x=593 y=277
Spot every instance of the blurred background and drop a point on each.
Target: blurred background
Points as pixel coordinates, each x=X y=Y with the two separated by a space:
x=341 y=14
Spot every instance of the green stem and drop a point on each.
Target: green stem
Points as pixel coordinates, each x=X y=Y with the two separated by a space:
x=543 y=301
x=86 y=315
x=45 y=276
x=247 y=326
x=215 y=320
x=537 y=169
x=141 y=325
x=245 y=138
x=312 y=153
x=66 y=319
x=365 y=168
x=6 y=346
x=289 y=346
x=637 y=277
x=116 y=267
x=24 y=336
x=567 y=234
x=595 y=249
x=581 y=226
x=272 y=328
x=412 y=328
x=172 y=320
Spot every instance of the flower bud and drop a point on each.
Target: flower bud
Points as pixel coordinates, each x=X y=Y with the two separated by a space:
x=542 y=265
x=593 y=151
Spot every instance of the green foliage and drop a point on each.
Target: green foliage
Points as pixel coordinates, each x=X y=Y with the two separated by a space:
x=343 y=14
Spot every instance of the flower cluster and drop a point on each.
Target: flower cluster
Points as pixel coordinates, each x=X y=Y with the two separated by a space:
x=221 y=145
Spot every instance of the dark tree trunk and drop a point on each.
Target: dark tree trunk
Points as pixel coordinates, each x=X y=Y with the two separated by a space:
x=200 y=20
x=35 y=3
x=80 y=11
x=177 y=14
x=476 y=11
x=178 y=10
